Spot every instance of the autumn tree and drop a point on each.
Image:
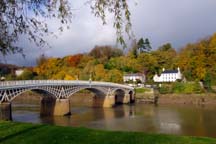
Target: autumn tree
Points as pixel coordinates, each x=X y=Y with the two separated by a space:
x=124 y=63
x=165 y=56
x=149 y=65
x=87 y=70
x=50 y=68
x=114 y=75
x=84 y=60
x=104 y=53
x=74 y=60
x=29 y=18
x=26 y=75
x=99 y=73
x=198 y=60
x=133 y=51
x=41 y=59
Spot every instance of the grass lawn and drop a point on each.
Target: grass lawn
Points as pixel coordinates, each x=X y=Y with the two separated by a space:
x=26 y=133
x=142 y=90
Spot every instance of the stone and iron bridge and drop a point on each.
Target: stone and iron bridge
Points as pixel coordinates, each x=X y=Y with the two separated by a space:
x=61 y=91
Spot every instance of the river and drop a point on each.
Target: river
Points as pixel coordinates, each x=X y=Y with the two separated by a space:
x=190 y=120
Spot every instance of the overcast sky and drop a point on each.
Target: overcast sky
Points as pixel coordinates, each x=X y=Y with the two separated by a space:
x=175 y=21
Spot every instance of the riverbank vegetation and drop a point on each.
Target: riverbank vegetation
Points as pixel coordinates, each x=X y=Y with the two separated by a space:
x=25 y=133
x=142 y=90
x=181 y=88
x=197 y=62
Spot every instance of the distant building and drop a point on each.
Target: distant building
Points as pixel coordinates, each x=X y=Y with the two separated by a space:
x=19 y=72
x=168 y=76
x=2 y=78
x=134 y=77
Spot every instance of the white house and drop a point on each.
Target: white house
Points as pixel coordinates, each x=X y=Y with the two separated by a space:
x=168 y=76
x=134 y=77
x=19 y=72
x=2 y=78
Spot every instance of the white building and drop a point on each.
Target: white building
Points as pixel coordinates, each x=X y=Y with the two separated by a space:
x=19 y=72
x=168 y=76
x=134 y=77
x=2 y=78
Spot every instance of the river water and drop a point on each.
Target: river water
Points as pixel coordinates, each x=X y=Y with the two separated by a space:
x=169 y=119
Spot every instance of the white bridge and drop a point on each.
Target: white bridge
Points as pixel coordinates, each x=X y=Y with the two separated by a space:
x=63 y=89
x=60 y=89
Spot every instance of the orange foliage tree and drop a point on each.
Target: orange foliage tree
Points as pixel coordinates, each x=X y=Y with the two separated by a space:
x=74 y=60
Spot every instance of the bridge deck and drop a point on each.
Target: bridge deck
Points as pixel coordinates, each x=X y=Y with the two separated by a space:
x=27 y=83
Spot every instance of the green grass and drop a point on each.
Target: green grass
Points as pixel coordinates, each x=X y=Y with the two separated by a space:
x=26 y=133
x=181 y=88
x=142 y=90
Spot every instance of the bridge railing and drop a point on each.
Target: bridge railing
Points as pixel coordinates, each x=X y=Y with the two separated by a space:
x=57 y=82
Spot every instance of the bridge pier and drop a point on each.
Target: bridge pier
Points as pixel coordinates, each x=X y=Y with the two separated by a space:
x=5 y=111
x=126 y=99
x=131 y=96
x=62 y=107
x=109 y=101
x=55 y=107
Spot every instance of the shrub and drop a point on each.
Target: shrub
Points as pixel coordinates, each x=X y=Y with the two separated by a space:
x=188 y=88
x=181 y=88
x=142 y=90
x=197 y=87
x=177 y=87
x=164 y=89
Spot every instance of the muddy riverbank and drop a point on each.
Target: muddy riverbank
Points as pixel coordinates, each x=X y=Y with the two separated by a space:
x=200 y=99
x=196 y=99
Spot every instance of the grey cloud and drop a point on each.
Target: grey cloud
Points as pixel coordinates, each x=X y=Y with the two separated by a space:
x=162 y=21
x=177 y=22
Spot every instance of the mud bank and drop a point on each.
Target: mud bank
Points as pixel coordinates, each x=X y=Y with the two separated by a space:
x=198 y=99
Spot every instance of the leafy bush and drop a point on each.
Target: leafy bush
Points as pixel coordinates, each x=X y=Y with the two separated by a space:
x=181 y=88
x=177 y=87
x=141 y=90
x=197 y=87
x=164 y=89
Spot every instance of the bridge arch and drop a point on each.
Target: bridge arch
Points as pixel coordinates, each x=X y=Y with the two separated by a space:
x=97 y=91
x=119 y=96
x=131 y=96
x=18 y=92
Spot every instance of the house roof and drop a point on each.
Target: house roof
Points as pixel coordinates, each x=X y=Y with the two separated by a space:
x=169 y=71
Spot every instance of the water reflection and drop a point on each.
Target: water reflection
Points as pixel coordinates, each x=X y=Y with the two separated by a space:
x=171 y=119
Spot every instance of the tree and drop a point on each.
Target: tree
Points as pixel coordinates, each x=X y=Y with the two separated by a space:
x=144 y=46
x=99 y=73
x=22 y=18
x=165 y=47
x=198 y=60
x=41 y=59
x=133 y=52
x=29 y=17
x=165 y=56
x=207 y=82
x=115 y=76
x=139 y=47
x=149 y=65
x=74 y=60
x=26 y=75
x=104 y=53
